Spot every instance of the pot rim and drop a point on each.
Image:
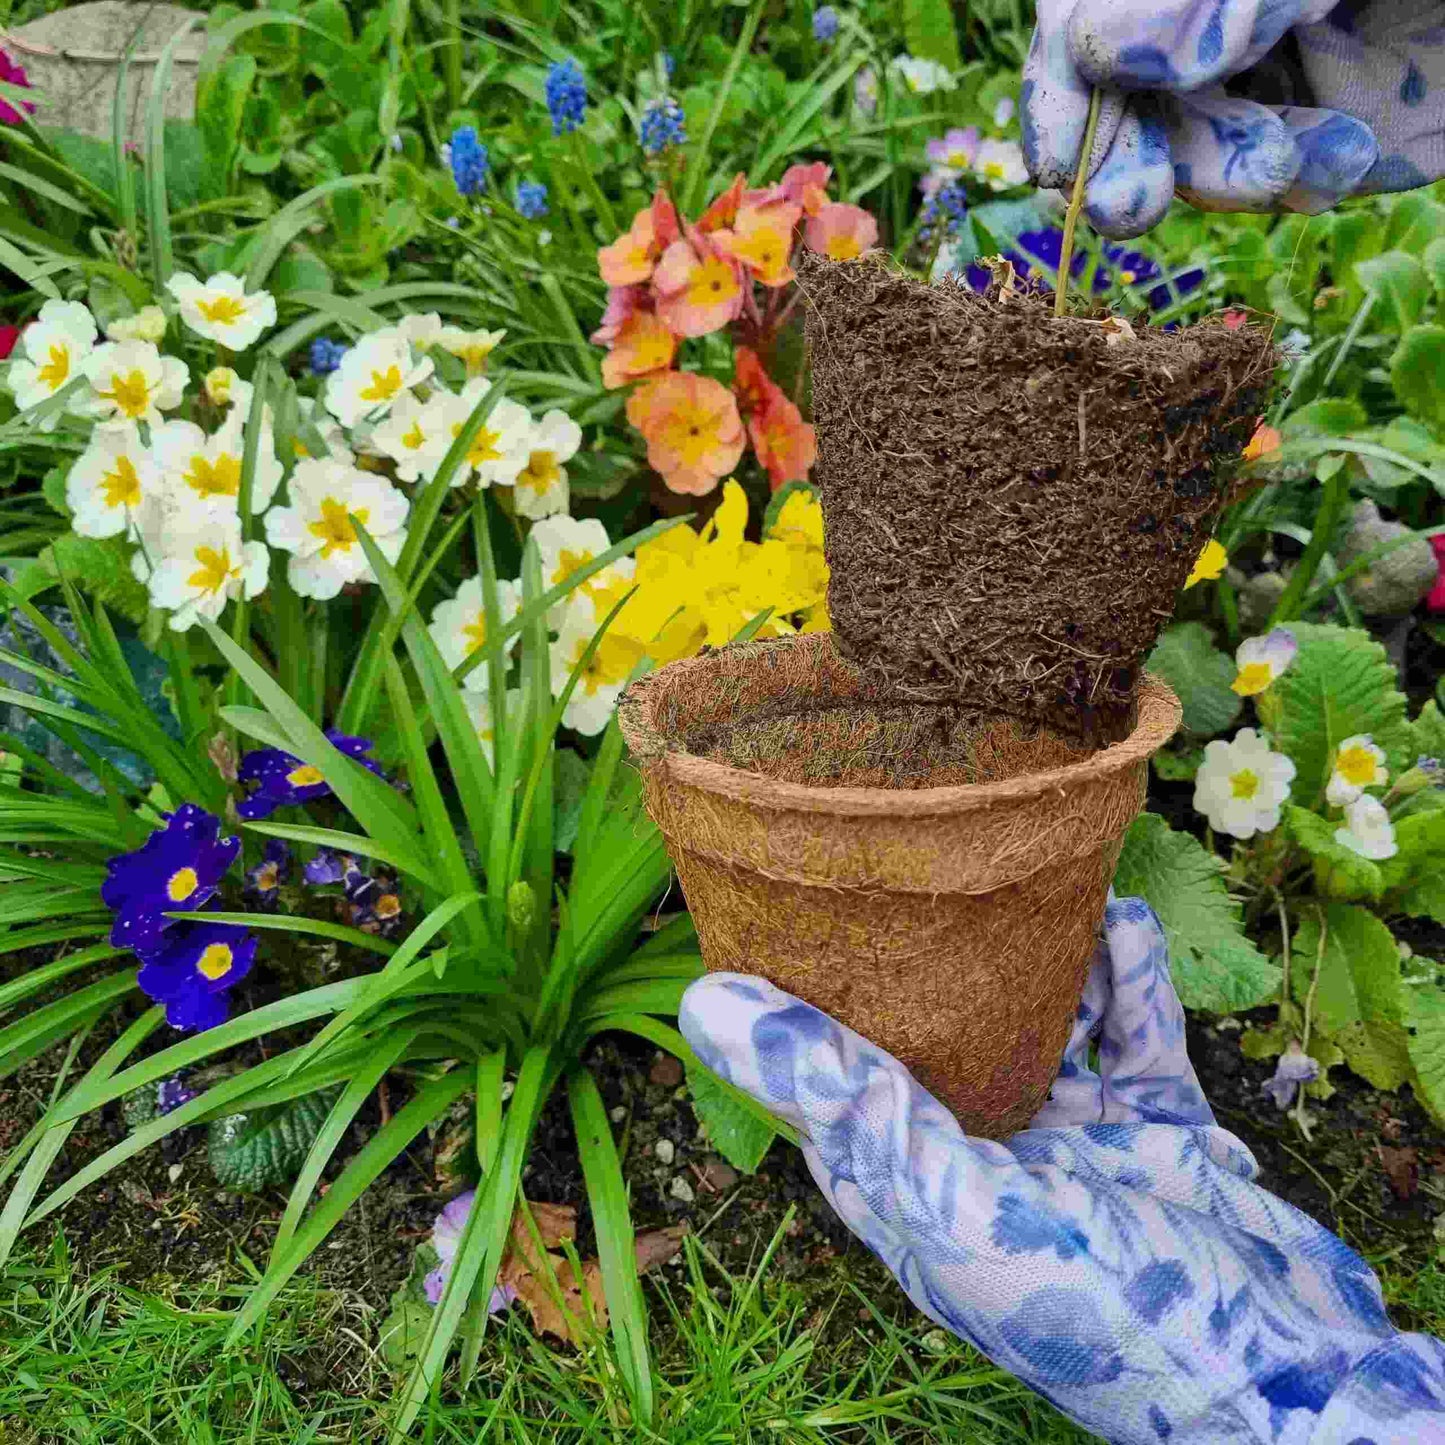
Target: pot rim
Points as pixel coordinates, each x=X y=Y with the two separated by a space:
x=1158 y=716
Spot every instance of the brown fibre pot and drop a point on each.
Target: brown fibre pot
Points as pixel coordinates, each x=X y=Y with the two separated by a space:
x=930 y=874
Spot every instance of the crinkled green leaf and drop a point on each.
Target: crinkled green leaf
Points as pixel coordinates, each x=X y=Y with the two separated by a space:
x=1178 y=766
x=1425 y=1036
x=1200 y=674
x=1417 y=372
x=1415 y=876
x=1340 y=873
x=1213 y=964
x=1378 y=1052
x=1359 y=967
x=1429 y=732
x=1342 y=683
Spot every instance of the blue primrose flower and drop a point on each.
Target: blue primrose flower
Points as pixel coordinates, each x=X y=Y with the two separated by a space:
x=662 y=126
x=263 y=882
x=374 y=902
x=177 y=869
x=283 y=780
x=566 y=96
x=327 y=867
x=467 y=157
x=192 y=972
x=531 y=200
x=172 y=1093
x=325 y=355
x=825 y=23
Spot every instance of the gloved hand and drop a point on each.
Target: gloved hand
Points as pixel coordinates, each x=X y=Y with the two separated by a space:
x=1236 y=105
x=1117 y=1255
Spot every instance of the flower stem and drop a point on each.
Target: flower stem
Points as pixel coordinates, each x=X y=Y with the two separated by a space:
x=1076 y=204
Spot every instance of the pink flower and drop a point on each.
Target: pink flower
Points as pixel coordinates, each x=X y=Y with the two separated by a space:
x=806 y=186
x=956 y=150
x=840 y=231
x=785 y=444
x=9 y=335
x=724 y=208
x=699 y=286
x=1435 y=599
x=12 y=74
x=1233 y=320
x=762 y=239
x=643 y=345
x=692 y=428
x=622 y=302
x=630 y=259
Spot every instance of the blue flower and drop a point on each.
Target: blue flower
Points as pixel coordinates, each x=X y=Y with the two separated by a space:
x=283 y=780
x=264 y=881
x=825 y=23
x=1295 y=1068
x=663 y=125
x=566 y=95
x=948 y=207
x=177 y=868
x=669 y=63
x=171 y=1094
x=328 y=866
x=375 y=903
x=467 y=157
x=326 y=355
x=531 y=199
x=194 y=970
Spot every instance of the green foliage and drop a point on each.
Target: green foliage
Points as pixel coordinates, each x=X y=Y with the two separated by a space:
x=1200 y=674
x=1417 y=371
x=1339 y=871
x=739 y=1135
x=1415 y=876
x=1214 y=965
x=929 y=33
x=253 y=1152
x=1425 y=1031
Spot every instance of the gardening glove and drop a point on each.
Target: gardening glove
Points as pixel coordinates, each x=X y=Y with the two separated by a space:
x=1117 y=1255
x=1235 y=105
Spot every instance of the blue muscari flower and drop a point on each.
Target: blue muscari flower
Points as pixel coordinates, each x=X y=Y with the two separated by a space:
x=283 y=780
x=669 y=63
x=566 y=95
x=825 y=23
x=947 y=206
x=531 y=199
x=663 y=125
x=264 y=881
x=326 y=355
x=467 y=157
x=191 y=974
x=177 y=869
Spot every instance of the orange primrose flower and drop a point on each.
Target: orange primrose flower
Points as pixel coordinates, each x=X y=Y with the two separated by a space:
x=806 y=186
x=724 y=208
x=1265 y=441
x=623 y=302
x=631 y=258
x=762 y=239
x=642 y=346
x=699 y=287
x=692 y=428
x=840 y=231
x=785 y=444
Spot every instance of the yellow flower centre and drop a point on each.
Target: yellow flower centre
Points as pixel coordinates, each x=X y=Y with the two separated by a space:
x=131 y=393
x=121 y=486
x=843 y=248
x=712 y=283
x=958 y=159
x=1357 y=766
x=541 y=473
x=387 y=906
x=413 y=437
x=475 y=631
x=484 y=446
x=224 y=310
x=335 y=529
x=1128 y=277
x=1244 y=784
x=216 y=961
x=384 y=385
x=220 y=478
x=993 y=170
x=57 y=368
x=569 y=562
x=475 y=354
x=306 y=776
x=215 y=571
x=1253 y=678
x=181 y=884
x=267 y=878
x=692 y=434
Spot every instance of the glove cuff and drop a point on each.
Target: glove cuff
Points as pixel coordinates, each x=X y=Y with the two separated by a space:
x=1394 y=1396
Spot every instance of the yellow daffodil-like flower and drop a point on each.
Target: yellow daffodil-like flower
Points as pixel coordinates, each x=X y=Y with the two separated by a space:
x=1208 y=565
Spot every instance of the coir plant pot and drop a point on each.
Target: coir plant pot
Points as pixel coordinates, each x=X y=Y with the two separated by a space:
x=1011 y=501
x=931 y=874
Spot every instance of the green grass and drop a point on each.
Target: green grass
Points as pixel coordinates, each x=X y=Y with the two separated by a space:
x=739 y=1358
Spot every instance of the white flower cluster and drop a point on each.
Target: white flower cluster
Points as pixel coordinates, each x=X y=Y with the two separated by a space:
x=171 y=484
x=565 y=545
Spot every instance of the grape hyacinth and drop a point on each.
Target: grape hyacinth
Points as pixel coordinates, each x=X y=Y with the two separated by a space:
x=946 y=207
x=467 y=157
x=566 y=96
x=663 y=125
x=531 y=200
x=825 y=23
x=325 y=355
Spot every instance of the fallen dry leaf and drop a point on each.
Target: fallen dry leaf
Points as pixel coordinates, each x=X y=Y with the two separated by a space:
x=1402 y=1169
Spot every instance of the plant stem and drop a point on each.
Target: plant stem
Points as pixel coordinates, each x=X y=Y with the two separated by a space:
x=1076 y=203
x=1300 y=1117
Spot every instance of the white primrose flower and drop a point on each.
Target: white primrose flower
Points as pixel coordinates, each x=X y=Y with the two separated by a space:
x=479 y=710
x=1001 y=164
x=922 y=77
x=132 y=381
x=541 y=485
x=1368 y=830
x=147 y=527
x=565 y=545
x=1262 y=659
x=472 y=347
x=459 y=626
x=499 y=450
x=1359 y=764
x=601 y=680
x=416 y=435
x=202 y=564
x=1242 y=784
x=372 y=376
x=113 y=483
x=148 y=324
x=53 y=349
x=422 y=331
x=222 y=310
x=223 y=387
x=313 y=414
x=317 y=527
x=204 y=472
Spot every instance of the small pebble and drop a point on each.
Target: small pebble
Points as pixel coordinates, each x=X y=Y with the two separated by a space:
x=666 y=1070
x=665 y=1150
x=618 y=1114
x=174 y=1172
x=681 y=1189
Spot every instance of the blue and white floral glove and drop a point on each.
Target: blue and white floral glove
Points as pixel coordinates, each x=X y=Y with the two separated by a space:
x=1236 y=105
x=1117 y=1255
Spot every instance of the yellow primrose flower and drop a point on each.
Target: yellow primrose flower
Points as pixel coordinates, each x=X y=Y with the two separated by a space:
x=1208 y=565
